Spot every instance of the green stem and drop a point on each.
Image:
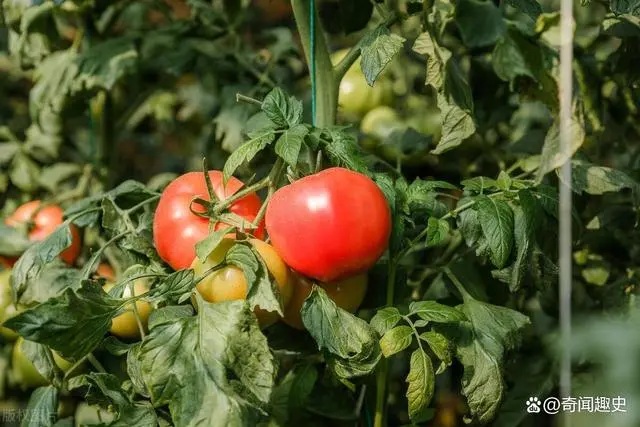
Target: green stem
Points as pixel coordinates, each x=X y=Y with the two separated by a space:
x=224 y=204
x=141 y=204
x=135 y=311
x=383 y=370
x=326 y=83
x=249 y=100
x=466 y=296
x=92 y=359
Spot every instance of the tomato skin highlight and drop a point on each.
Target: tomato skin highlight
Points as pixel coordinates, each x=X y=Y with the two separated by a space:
x=45 y=223
x=176 y=230
x=347 y=293
x=229 y=283
x=330 y=225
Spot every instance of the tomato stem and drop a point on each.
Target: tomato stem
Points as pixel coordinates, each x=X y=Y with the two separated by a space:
x=224 y=204
x=249 y=100
x=326 y=83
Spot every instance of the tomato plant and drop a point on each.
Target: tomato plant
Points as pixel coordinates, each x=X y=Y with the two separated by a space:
x=317 y=213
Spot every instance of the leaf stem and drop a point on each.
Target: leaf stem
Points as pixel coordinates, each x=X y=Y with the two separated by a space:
x=249 y=100
x=466 y=296
x=224 y=204
x=134 y=208
x=92 y=359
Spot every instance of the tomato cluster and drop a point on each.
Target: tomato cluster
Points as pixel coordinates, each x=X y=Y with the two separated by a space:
x=328 y=228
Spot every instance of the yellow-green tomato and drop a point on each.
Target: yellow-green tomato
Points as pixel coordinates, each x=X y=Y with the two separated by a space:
x=23 y=371
x=355 y=96
x=125 y=325
x=229 y=282
x=7 y=308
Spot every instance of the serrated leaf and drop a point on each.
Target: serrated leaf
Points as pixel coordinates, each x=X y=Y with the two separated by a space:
x=529 y=7
x=205 y=247
x=247 y=151
x=435 y=312
x=437 y=231
x=479 y=184
x=41 y=358
x=281 y=109
x=395 y=340
x=223 y=341
x=457 y=125
x=72 y=323
x=525 y=221
x=504 y=181
x=378 y=49
x=343 y=150
x=289 y=144
x=440 y=346
x=597 y=180
x=42 y=409
x=481 y=347
x=479 y=32
x=176 y=287
x=385 y=319
x=350 y=344
x=262 y=291
x=24 y=173
x=421 y=383
x=553 y=155
x=496 y=220
x=38 y=255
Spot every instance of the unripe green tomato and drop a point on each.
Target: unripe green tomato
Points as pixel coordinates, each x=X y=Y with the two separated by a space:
x=7 y=308
x=23 y=371
x=356 y=97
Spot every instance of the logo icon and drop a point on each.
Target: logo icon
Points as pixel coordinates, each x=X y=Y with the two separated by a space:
x=533 y=405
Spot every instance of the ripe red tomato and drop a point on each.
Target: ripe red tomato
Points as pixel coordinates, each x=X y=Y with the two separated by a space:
x=330 y=225
x=45 y=222
x=176 y=230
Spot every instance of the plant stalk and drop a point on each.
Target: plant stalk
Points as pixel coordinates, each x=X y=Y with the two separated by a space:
x=326 y=84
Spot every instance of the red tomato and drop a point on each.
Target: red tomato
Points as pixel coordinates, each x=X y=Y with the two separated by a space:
x=176 y=230
x=330 y=225
x=45 y=222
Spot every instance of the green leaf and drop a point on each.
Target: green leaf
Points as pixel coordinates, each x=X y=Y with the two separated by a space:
x=205 y=247
x=7 y=151
x=350 y=344
x=13 y=242
x=516 y=56
x=553 y=155
x=598 y=180
x=504 y=181
x=524 y=231
x=223 y=341
x=479 y=32
x=437 y=231
x=597 y=276
x=529 y=7
x=54 y=279
x=496 y=220
x=41 y=358
x=51 y=177
x=262 y=290
x=281 y=109
x=106 y=63
x=378 y=49
x=42 y=409
x=290 y=142
x=395 y=340
x=38 y=255
x=621 y=7
x=481 y=347
x=107 y=389
x=621 y=26
x=247 y=151
x=176 y=287
x=385 y=319
x=24 y=173
x=435 y=312
x=440 y=346
x=343 y=150
x=457 y=125
x=479 y=184
x=72 y=323
x=421 y=383
x=293 y=391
